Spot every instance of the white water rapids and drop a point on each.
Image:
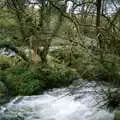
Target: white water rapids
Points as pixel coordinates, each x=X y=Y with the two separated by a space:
x=58 y=104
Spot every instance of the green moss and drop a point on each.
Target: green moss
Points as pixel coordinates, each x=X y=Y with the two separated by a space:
x=117 y=115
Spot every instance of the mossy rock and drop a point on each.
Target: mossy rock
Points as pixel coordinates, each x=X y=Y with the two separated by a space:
x=117 y=115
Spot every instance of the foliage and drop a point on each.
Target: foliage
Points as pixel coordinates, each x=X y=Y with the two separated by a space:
x=91 y=66
x=10 y=60
x=24 y=80
x=117 y=115
x=57 y=76
x=106 y=69
x=27 y=27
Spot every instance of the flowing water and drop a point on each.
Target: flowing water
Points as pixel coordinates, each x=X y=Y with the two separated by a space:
x=73 y=103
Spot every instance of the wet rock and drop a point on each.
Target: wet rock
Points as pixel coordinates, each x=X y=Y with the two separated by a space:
x=11 y=118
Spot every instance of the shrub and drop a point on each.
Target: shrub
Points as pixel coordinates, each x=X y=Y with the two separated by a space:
x=56 y=76
x=31 y=80
x=23 y=81
x=91 y=66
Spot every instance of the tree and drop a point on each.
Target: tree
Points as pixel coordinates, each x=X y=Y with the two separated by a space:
x=37 y=27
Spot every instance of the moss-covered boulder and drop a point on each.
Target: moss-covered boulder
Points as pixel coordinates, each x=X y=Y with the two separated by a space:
x=117 y=115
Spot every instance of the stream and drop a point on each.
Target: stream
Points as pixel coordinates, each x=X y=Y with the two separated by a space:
x=81 y=101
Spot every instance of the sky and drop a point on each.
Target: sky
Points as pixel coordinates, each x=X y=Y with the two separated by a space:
x=110 y=7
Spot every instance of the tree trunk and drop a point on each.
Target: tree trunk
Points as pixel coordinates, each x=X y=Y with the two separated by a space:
x=98 y=22
x=34 y=53
x=98 y=4
x=43 y=53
